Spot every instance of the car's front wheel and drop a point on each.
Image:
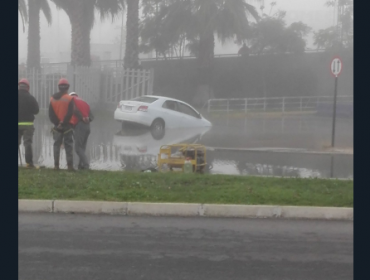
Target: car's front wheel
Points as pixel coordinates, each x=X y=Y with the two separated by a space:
x=157 y=129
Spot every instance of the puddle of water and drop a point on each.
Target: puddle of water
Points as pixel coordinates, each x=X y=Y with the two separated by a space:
x=110 y=148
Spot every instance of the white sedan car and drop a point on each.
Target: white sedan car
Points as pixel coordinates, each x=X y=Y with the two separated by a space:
x=159 y=112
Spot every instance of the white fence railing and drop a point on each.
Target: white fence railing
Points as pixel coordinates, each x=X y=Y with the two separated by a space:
x=85 y=81
x=95 y=85
x=42 y=84
x=273 y=104
x=121 y=84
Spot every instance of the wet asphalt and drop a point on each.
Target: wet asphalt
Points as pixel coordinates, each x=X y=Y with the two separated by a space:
x=78 y=247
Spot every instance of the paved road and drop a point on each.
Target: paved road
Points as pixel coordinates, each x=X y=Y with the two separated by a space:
x=78 y=247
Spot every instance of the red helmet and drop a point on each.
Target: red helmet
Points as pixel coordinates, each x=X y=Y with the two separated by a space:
x=24 y=82
x=63 y=81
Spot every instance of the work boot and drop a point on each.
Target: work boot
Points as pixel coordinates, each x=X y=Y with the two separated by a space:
x=70 y=168
x=30 y=166
x=56 y=168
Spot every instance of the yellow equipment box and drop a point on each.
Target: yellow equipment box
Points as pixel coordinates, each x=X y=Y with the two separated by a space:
x=172 y=157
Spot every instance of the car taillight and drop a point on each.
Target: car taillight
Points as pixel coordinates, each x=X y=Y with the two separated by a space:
x=119 y=104
x=143 y=108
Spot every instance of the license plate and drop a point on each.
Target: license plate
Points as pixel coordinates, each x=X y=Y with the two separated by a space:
x=126 y=108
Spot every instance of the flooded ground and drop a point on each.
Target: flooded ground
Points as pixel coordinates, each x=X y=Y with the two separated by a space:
x=291 y=146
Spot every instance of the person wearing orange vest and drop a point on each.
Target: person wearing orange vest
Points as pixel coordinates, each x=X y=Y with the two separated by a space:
x=27 y=109
x=60 y=114
x=81 y=118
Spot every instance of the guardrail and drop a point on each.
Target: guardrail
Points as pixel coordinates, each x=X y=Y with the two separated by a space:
x=273 y=104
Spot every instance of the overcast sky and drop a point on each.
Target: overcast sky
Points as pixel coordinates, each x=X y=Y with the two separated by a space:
x=56 y=39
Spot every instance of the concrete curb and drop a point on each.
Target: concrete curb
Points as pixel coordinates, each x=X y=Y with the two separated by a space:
x=163 y=209
x=185 y=209
x=35 y=205
x=90 y=207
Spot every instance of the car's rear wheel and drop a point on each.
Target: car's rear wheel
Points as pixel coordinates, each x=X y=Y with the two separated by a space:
x=157 y=129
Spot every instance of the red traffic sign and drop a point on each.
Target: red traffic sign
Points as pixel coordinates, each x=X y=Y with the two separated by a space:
x=336 y=66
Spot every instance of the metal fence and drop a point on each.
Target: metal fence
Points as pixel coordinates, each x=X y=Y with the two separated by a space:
x=121 y=84
x=43 y=84
x=85 y=81
x=273 y=104
x=94 y=84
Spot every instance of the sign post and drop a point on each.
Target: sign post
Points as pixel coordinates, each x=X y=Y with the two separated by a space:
x=336 y=68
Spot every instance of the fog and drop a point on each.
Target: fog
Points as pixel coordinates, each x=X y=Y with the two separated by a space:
x=56 y=38
x=271 y=110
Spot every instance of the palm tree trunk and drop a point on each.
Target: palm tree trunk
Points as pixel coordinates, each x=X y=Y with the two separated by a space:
x=33 y=52
x=80 y=55
x=206 y=55
x=131 y=59
x=206 y=50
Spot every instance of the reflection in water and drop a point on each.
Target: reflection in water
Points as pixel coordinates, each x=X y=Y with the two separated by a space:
x=110 y=148
x=139 y=149
x=105 y=157
x=251 y=169
x=279 y=171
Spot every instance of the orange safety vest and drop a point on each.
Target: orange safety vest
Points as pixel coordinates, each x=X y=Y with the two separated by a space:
x=60 y=106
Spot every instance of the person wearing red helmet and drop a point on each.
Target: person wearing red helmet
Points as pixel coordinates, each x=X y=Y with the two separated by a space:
x=82 y=118
x=60 y=114
x=27 y=109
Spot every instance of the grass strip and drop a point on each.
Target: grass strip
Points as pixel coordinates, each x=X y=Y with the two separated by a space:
x=190 y=188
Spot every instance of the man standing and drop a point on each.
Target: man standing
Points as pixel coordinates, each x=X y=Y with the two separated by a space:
x=27 y=109
x=82 y=117
x=244 y=51
x=60 y=114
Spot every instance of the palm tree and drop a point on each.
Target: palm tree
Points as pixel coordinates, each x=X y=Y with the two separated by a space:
x=131 y=59
x=225 y=18
x=81 y=16
x=34 y=8
x=153 y=33
x=22 y=9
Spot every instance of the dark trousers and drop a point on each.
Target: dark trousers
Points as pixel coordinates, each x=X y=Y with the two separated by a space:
x=81 y=134
x=26 y=131
x=63 y=136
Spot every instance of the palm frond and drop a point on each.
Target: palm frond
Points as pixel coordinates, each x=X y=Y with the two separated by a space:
x=63 y=5
x=251 y=10
x=22 y=9
x=109 y=8
x=232 y=20
x=45 y=8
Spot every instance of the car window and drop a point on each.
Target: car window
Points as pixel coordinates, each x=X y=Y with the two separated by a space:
x=171 y=105
x=145 y=99
x=187 y=110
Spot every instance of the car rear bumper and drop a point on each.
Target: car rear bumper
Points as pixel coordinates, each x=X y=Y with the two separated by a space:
x=138 y=117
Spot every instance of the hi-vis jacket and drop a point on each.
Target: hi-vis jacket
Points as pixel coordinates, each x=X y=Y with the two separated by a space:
x=61 y=109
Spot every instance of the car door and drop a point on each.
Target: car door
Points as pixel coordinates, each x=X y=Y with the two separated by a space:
x=191 y=118
x=171 y=115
